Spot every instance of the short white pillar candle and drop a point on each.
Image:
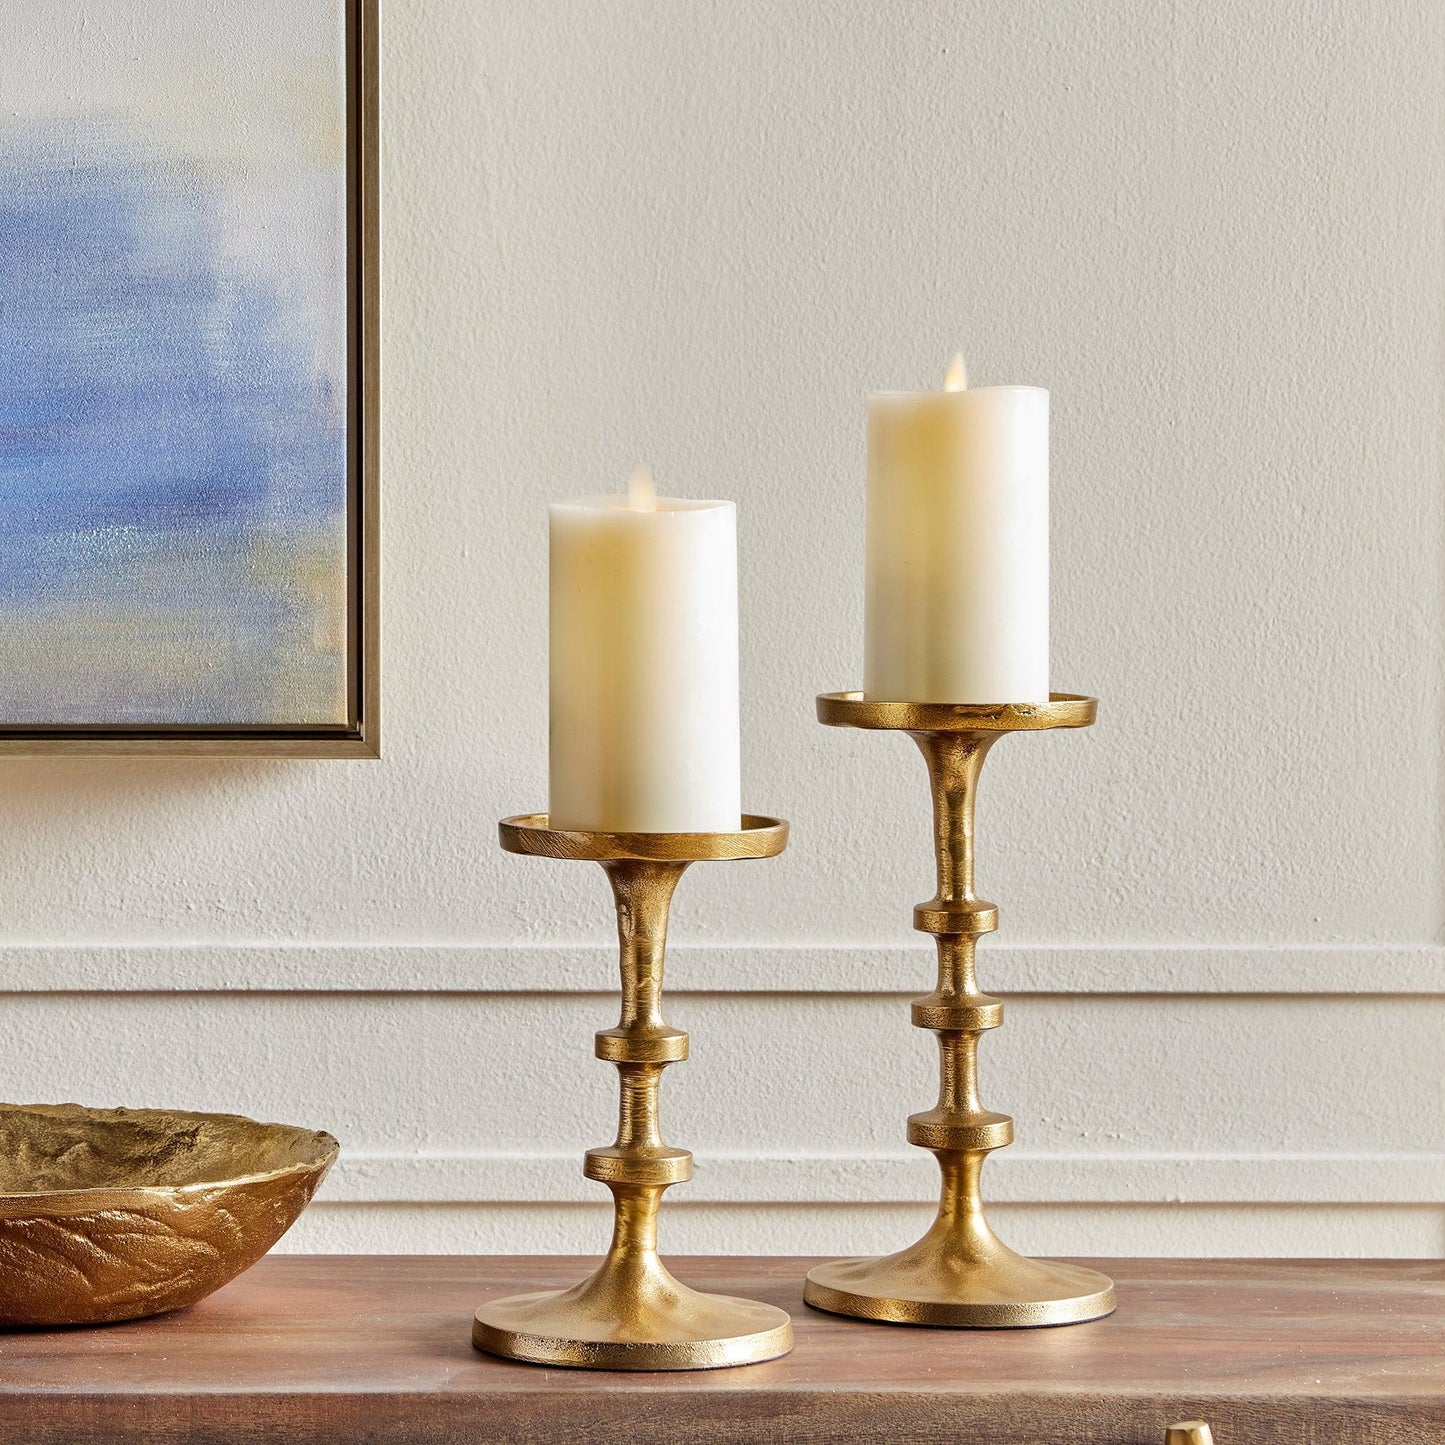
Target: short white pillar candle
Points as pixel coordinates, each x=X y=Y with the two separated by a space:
x=957 y=606
x=644 y=664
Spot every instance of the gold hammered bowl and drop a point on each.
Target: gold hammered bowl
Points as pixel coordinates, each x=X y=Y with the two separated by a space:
x=111 y=1214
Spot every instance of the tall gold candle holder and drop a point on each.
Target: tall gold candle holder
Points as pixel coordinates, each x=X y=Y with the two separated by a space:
x=960 y=1273
x=631 y=1314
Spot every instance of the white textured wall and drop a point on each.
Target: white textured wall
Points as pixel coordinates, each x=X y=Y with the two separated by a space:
x=697 y=234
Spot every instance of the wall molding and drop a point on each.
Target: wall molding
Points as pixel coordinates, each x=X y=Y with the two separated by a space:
x=1014 y=1177
x=1127 y=968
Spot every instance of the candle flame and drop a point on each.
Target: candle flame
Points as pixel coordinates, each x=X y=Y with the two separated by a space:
x=957 y=378
x=641 y=491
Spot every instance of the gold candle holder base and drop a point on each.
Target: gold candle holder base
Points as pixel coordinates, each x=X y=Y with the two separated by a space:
x=631 y=1314
x=960 y=1273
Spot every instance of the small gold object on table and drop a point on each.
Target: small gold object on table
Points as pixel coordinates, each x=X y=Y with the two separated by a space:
x=1189 y=1432
x=960 y=1273
x=631 y=1314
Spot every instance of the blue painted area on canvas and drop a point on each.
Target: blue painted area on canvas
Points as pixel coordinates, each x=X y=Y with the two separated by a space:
x=172 y=458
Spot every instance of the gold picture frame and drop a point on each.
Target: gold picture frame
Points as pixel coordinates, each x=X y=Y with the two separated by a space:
x=360 y=736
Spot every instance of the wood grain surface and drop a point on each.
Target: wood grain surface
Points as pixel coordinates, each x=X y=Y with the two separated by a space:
x=376 y=1349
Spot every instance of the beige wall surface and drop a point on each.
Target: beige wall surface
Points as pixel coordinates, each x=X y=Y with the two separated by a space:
x=696 y=235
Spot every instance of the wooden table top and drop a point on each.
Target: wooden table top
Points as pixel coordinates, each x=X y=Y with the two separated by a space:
x=378 y=1349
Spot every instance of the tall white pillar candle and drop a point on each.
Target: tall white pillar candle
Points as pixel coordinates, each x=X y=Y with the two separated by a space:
x=644 y=664
x=957 y=606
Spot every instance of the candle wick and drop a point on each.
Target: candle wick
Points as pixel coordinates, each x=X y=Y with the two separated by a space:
x=641 y=491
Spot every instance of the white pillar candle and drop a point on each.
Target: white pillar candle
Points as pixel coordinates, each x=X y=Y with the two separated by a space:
x=644 y=664
x=957 y=606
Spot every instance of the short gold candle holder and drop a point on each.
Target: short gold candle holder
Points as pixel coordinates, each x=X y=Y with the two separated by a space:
x=960 y=1273
x=631 y=1314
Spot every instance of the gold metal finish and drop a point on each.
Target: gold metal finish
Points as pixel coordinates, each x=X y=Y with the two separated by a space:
x=111 y=1214
x=960 y=1273
x=1189 y=1432
x=631 y=1314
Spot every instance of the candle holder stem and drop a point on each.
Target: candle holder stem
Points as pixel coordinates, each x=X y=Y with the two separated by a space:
x=960 y=1273
x=638 y=1167
x=631 y=1313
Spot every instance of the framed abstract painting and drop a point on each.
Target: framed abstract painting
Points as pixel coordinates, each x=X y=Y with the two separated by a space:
x=188 y=377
